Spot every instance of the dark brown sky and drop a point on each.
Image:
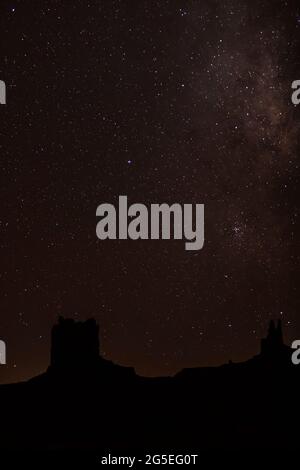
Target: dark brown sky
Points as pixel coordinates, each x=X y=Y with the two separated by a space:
x=172 y=101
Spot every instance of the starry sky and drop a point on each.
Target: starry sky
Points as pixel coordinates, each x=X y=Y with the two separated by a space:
x=163 y=101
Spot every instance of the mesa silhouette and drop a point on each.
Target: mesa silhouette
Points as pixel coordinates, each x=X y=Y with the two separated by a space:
x=85 y=402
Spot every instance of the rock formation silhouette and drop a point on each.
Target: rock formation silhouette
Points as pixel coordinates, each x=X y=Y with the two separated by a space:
x=85 y=402
x=273 y=349
x=74 y=344
x=75 y=353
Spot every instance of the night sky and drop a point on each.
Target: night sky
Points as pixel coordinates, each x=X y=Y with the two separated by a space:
x=162 y=101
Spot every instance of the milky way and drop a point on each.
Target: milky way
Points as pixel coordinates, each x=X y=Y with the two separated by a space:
x=186 y=102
